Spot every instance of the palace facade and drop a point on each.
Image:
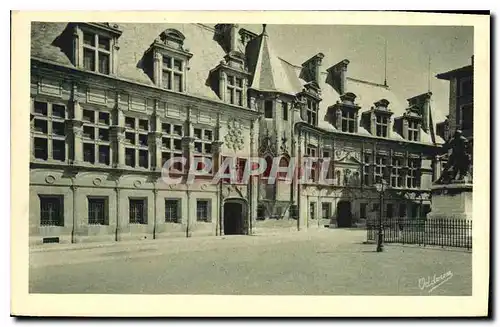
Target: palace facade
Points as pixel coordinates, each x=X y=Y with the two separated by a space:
x=111 y=104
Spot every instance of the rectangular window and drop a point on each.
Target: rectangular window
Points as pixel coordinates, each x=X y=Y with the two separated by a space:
x=284 y=107
x=98 y=211
x=172 y=211
x=130 y=122
x=413 y=177
x=58 y=150
x=103 y=134
x=268 y=109
x=96 y=53
x=467 y=116
x=312 y=210
x=104 y=154
x=40 y=126
x=381 y=125
x=58 y=128
x=367 y=169
x=58 y=111
x=138 y=211
x=89 y=132
x=234 y=90
x=380 y=166
x=326 y=210
x=130 y=157
x=88 y=116
x=40 y=108
x=89 y=152
x=312 y=112
x=203 y=210
x=143 y=159
x=51 y=210
x=362 y=210
x=173 y=74
x=348 y=121
x=144 y=124
x=396 y=178
x=413 y=131
x=40 y=148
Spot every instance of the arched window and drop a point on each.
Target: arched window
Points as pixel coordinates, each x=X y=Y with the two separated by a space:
x=284 y=162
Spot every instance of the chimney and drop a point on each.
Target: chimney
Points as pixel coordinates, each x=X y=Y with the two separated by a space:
x=311 y=68
x=337 y=75
x=423 y=103
x=226 y=36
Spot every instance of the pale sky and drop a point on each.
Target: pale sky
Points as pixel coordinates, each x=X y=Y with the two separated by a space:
x=408 y=50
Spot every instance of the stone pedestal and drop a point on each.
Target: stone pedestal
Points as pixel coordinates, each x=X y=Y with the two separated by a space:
x=451 y=201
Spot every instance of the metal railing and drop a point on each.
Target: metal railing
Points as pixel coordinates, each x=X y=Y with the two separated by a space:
x=439 y=232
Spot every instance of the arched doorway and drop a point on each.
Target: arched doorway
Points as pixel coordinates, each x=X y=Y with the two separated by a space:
x=235 y=213
x=344 y=214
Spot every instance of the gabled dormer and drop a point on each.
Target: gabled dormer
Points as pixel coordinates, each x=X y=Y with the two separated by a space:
x=408 y=125
x=169 y=61
x=229 y=79
x=94 y=46
x=344 y=114
x=378 y=120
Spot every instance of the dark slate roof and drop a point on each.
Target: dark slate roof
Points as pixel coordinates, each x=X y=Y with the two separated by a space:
x=269 y=72
x=466 y=70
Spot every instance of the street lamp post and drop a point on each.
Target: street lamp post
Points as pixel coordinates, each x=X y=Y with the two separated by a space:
x=380 y=189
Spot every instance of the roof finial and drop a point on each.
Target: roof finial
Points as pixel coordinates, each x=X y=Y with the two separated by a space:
x=264 y=29
x=385 y=62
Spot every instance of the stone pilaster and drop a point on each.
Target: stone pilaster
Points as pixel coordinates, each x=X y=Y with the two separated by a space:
x=154 y=142
x=222 y=86
x=157 y=67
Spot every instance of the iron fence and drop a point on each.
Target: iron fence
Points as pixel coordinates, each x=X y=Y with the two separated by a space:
x=440 y=232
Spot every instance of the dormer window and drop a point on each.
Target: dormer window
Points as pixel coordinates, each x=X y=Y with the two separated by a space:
x=348 y=121
x=173 y=74
x=96 y=47
x=170 y=61
x=413 y=131
x=312 y=112
x=234 y=90
x=382 y=123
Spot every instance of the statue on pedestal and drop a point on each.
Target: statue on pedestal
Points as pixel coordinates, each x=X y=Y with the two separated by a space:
x=459 y=161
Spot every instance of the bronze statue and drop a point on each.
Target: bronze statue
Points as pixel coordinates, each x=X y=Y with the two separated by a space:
x=459 y=161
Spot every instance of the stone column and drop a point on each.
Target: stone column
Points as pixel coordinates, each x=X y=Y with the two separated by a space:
x=76 y=47
x=405 y=128
x=254 y=181
x=222 y=86
x=373 y=124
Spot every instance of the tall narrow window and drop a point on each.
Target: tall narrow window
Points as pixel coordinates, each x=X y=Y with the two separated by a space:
x=284 y=108
x=203 y=138
x=413 y=131
x=413 y=177
x=51 y=210
x=268 y=109
x=380 y=166
x=367 y=169
x=396 y=178
x=326 y=210
x=312 y=112
x=234 y=90
x=381 y=125
x=362 y=210
x=467 y=116
x=136 y=148
x=96 y=141
x=172 y=144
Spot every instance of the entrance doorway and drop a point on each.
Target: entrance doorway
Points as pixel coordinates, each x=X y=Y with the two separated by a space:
x=344 y=214
x=234 y=213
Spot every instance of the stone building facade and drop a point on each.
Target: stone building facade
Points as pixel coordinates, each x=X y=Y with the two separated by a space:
x=111 y=104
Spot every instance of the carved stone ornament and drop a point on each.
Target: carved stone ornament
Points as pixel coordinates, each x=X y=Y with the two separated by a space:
x=234 y=138
x=50 y=179
x=97 y=181
x=137 y=183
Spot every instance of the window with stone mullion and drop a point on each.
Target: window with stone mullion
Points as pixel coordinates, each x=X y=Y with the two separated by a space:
x=413 y=131
x=203 y=138
x=137 y=148
x=173 y=74
x=96 y=137
x=380 y=166
x=172 y=143
x=381 y=125
x=312 y=112
x=49 y=126
x=396 y=177
x=234 y=89
x=96 y=52
x=348 y=121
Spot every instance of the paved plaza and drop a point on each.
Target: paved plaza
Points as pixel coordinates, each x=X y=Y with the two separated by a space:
x=322 y=262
